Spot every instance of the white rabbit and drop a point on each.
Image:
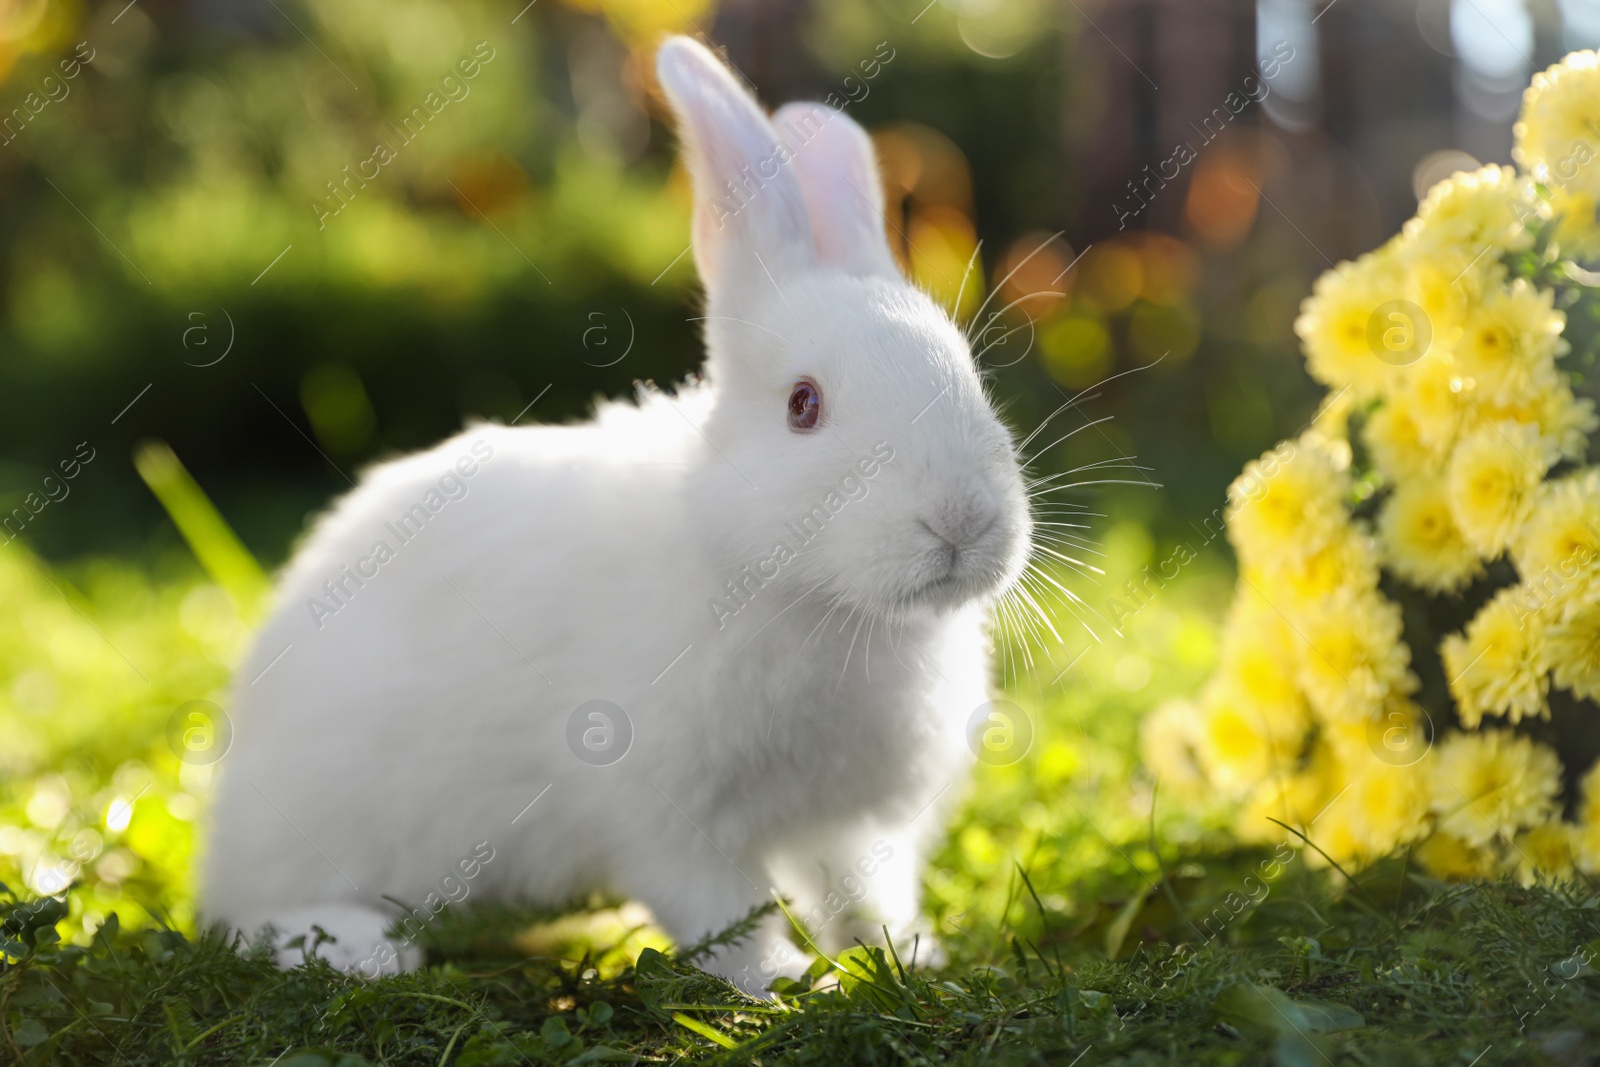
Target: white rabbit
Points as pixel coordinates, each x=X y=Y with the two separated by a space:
x=779 y=577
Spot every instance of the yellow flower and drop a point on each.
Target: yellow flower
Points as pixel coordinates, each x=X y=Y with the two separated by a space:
x=1586 y=847
x=1446 y=856
x=1560 y=124
x=1510 y=341
x=1589 y=791
x=1492 y=480
x=1389 y=805
x=1167 y=742
x=1334 y=324
x=1397 y=735
x=1476 y=215
x=1587 y=843
x=1438 y=399
x=1337 y=833
x=1558 y=143
x=1559 y=416
x=1347 y=561
x=1578 y=232
x=1558 y=551
x=1492 y=783
x=1241 y=744
x=1420 y=540
x=1498 y=667
x=1572 y=649
x=1288 y=503
x=1392 y=435
x=1546 y=849
x=1291 y=798
x=1257 y=658
x=1352 y=657
x=1445 y=288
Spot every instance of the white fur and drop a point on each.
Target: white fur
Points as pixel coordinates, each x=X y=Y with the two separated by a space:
x=790 y=746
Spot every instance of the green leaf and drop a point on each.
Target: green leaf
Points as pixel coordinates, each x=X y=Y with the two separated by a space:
x=1323 y=1016
x=1255 y=1008
x=1117 y=930
x=32 y=1032
x=555 y=1032
x=705 y=1031
x=866 y=974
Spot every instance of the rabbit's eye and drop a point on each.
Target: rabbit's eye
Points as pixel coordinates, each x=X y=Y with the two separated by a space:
x=805 y=406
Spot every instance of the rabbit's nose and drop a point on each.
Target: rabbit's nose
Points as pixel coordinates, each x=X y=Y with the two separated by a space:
x=961 y=523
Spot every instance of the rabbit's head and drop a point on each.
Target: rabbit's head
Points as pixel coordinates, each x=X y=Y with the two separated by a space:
x=848 y=422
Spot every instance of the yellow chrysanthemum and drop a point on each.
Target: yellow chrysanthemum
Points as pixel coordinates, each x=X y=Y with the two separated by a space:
x=1293 y=798
x=1346 y=562
x=1438 y=400
x=1444 y=288
x=1398 y=735
x=1589 y=794
x=1338 y=835
x=1560 y=119
x=1420 y=540
x=1586 y=847
x=1287 y=503
x=1447 y=856
x=1572 y=649
x=1586 y=842
x=1476 y=215
x=1352 y=658
x=1389 y=805
x=1395 y=440
x=1510 y=341
x=1241 y=744
x=1498 y=666
x=1253 y=661
x=1546 y=850
x=1559 y=416
x=1492 y=480
x=1336 y=319
x=1558 y=143
x=1578 y=231
x=1167 y=740
x=1558 y=552
x=1254 y=624
x=1491 y=783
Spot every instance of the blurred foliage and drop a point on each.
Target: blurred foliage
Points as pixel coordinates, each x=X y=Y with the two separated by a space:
x=198 y=214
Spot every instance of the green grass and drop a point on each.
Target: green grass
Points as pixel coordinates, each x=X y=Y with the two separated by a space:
x=1087 y=913
x=1397 y=970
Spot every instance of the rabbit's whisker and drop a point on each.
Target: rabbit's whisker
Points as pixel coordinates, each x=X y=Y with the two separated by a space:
x=976 y=315
x=1033 y=458
x=1085 y=569
x=961 y=290
x=1027 y=324
x=1098 y=465
x=1025 y=596
x=1084 y=394
x=1104 y=481
x=1074 y=601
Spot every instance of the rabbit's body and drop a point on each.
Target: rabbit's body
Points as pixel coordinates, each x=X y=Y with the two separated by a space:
x=791 y=619
x=375 y=779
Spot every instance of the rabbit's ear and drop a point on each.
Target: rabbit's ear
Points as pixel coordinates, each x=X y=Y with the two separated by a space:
x=838 y=173
x=749 y=214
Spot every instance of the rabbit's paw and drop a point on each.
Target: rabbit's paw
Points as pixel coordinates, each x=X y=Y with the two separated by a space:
x=752 y=968
x=348 y=937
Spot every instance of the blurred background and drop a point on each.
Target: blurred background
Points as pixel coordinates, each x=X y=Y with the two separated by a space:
x=214 y=285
